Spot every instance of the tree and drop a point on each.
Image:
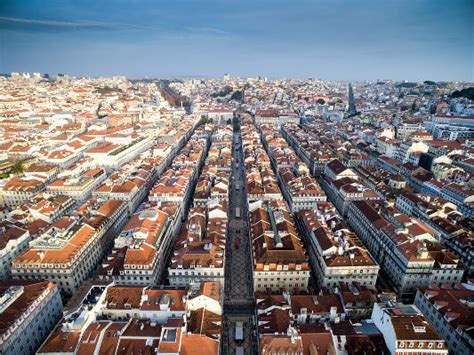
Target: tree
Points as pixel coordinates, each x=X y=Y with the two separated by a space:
x=202 y=121
x=467 y=93
x=228 y=89
x=237 y=95
x=18 y=167
x=236 y=123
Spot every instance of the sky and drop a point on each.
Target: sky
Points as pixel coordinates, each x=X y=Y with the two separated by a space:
x=328 y=39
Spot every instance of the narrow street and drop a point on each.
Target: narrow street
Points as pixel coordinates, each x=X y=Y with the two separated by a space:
x=239 y=302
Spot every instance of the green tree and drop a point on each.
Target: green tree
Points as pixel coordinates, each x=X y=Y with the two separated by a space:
x=202 y=121
x=18 y=167
x=237 y=95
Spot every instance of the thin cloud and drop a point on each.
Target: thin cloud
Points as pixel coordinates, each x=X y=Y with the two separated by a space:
x=209 y=30
x=71 y=24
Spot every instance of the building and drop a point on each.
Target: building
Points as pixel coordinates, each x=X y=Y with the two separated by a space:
x=336 y=170
x=136 y=319
x=29 y=311
x=199 y=250
x=79 y=188
x=302 y=192
x=69 y=251
x=277 y=312
x=275 y=117
x=405 y=248
x=343 y=191
x=13 y=241
x=50 y=208
x=406 y=331
x=141 y=250
x=337 y=255
x=122 y=303
x=357 y=301
x=279 y=257
x=18 y=190
x=450 y=312
x=112 y=156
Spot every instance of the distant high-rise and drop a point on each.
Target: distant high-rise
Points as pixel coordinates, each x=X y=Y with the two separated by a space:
x=352 y=105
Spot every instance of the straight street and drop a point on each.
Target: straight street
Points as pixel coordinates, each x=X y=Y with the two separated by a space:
x=239 y=302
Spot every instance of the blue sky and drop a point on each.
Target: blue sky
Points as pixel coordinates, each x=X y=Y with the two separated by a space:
x=329 y=39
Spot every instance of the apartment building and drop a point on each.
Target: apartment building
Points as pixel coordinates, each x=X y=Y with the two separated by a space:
x=135 y=319
x=337 y=255
x=213 y=184
x=49 y=171
x=275 y=117
x=276 y=312
x=343 y=191
x=279 y=257
x=336 y=170
x=50 y=208
x=357 y=300
x=125 y=302
x=175 y=185
x=463 y=197
x=18 y=190
x=111 y=156
x=301 y=191
x=131 y=183
x=13 y=241
x=69 y=251
x=141 y=250
x=80 y=187
x=29 y=311
x=407 y=256
x=63 y=158
x=199 y=250
x=450 y=311
x=406 y=331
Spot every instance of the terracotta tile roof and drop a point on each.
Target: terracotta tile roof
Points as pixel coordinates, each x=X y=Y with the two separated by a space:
x=61 y=341
x=203 y=321
x=58 y=256
x=191 y=342
x=19 y=307
x=405 y=328
x=277 y=344
x=117 y=297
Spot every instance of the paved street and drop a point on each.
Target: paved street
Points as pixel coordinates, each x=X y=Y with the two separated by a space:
x=239 y=302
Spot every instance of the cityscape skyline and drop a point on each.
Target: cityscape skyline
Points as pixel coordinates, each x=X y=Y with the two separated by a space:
x=339 y=40
x=236 y=178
